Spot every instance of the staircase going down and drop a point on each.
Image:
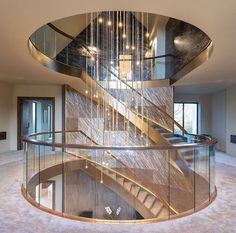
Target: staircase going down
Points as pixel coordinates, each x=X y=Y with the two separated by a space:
x=140 y=198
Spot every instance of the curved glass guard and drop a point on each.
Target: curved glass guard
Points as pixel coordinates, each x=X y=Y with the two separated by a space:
x=124 y=43
x=147 y=184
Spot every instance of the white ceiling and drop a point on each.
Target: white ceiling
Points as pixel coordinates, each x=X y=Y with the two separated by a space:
x=18 y=19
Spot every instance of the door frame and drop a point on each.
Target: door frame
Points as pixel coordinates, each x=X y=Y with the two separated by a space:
x=20 y=100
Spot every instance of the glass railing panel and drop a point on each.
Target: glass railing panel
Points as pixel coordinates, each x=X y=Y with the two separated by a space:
x=33 y=168
x=138 y=183
x=202 y=176
x=50 y=42
x=212 y=169
x=181 y=179
x=25 y=165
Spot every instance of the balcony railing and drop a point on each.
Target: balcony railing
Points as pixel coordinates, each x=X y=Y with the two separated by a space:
x=146 y=182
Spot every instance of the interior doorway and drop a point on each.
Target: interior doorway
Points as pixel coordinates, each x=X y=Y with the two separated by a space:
x=34 y=115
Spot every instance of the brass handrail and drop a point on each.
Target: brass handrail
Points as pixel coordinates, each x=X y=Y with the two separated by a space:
x=28 y=138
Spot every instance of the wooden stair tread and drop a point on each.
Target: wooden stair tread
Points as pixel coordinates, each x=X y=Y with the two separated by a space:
x=149 y=201
x=164 y=213
x=167 y=135
x=142 y=195
x=113 y=175
x=156 y=208
x=120 y=179
x=135 y=190
x=127 y=185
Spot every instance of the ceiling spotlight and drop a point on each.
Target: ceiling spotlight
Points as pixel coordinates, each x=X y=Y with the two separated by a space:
x=109 y=23
x=100 y=20
x=133 y=48
x=120 y=24
x=147 y=34
x=86 y=92
x=137 y=63
x=111 y=62
x=92 y=58
x=124 y=36
x=127 y=46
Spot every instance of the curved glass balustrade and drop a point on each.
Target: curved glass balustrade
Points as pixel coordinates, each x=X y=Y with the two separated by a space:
x=169 y=52
x=68 y=174
x=128 y=165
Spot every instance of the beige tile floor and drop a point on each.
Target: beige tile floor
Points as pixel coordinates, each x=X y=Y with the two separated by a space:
x=17 y=215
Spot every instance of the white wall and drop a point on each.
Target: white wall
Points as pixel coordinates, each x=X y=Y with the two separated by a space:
x=5 y=111
x=204 y=124
x=34 y=91
x=218 y=119
x=230 y=119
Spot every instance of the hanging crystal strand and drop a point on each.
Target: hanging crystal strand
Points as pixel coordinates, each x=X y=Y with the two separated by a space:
x=142 y=63
x=91 y=93
x=109 y=74
x=86 y=69
x=147 y=134
x=127 y=89
x=118 y=73
x=150 y=68
x=101 y=162
x=112 y=65
x=136 y=62
x=97 y=78
x=132 y=66
x=122 y=75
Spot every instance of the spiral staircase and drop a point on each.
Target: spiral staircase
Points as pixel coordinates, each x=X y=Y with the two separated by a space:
x=131 y=184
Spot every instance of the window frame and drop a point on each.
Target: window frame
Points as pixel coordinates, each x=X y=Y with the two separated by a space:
x=183 y=103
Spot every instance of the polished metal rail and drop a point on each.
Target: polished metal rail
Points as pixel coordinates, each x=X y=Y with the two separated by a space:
x=208 y=142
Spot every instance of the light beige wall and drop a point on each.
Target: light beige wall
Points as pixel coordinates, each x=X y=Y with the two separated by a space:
x=5 y=111
x=204 y=110
x=218 y=119
x=34 y=91
x=230 y=119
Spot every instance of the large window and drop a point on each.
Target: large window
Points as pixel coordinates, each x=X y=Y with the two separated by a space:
x=186 y=114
